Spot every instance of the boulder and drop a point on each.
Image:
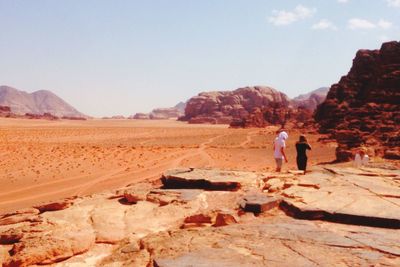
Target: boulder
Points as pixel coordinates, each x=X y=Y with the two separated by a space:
x=208 y=179
x=28 y=214
x=53 y=206
x=258 y=203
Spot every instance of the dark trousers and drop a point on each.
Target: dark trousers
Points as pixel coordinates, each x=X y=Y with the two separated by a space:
x=302 y=163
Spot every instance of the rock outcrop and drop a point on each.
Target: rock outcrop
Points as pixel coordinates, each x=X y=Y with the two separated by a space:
x=165 y=113
x=257 y=106
x=225 y=106
x=363 y=107
x=140 y=116
x=203 y=217
x=36 y=103
x=162 y=113
x=5 y=112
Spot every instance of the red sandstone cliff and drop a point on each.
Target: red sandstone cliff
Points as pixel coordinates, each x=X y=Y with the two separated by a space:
x=363 y=108
x=223 y=107
x=257 y=106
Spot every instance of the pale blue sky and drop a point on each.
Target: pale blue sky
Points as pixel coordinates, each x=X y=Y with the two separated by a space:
x=121 y=57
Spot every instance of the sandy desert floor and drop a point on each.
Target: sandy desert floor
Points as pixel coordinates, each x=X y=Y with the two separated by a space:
x=42 y=161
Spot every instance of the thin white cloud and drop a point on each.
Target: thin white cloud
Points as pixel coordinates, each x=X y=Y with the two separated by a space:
x=363 y=24
x=360 y=24
x=384 y=24
x=394 y=3
x=324 y=24
x=343 y=1
x=283 y=17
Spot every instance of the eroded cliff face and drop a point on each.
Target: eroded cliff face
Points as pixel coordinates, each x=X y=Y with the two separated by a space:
x=223 y=107
x=363 y=108
x=257 y=106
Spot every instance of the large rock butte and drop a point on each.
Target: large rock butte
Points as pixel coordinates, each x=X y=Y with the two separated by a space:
x=363 y=107
x=256 y=106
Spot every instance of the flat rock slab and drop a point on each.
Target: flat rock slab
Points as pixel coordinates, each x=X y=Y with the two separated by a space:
x=208 y=257
x=258 y=203
x=209 y=179
x=167 y=196
x=278 y=241
x=346 y=195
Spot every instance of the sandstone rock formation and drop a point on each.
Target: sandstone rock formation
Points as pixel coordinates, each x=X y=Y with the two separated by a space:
x=140 y=116
x=223 y=107
x=333 y=216
x=165 y=113
x=37 y=103
x=257 y=106
x=162 y=113
x=363 y=107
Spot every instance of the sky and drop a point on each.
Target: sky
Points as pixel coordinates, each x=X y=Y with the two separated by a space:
x=110 y=57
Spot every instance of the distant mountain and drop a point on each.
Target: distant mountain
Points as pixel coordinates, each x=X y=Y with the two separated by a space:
x=312 y=99
x=322 y=91
x=38 y=102
x=181 y=107
x=162 y=113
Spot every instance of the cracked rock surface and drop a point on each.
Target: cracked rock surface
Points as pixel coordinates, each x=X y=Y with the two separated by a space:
x=333 y=216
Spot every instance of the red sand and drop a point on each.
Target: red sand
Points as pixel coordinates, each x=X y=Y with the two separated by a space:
x=47 y=160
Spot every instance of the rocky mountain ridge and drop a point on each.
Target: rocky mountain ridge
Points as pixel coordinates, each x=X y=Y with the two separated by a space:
x=36 y=103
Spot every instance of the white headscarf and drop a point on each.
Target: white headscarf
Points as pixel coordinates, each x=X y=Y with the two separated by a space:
x=283 y=136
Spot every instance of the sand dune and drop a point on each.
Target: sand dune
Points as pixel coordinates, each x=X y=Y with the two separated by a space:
x=47 y=160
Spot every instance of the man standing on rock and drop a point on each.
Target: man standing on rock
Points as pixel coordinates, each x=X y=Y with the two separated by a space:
x=279 y=150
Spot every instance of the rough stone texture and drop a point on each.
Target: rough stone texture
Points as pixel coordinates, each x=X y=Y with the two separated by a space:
x=363 y=107
x=53 y=206
x=258 y=203
x=135 y=193
x=256 y=106
x=349 y=217
x=340 y=195
x=209 y=179
x=222 y=107
x=18 y=216
x=275 y=242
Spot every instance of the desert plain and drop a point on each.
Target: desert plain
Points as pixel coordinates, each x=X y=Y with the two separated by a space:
x=42 y=161
x=169 y=194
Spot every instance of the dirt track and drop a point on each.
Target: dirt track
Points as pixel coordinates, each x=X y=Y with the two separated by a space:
x=47 y=160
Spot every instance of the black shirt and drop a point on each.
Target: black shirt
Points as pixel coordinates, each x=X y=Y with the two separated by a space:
x=301 y=149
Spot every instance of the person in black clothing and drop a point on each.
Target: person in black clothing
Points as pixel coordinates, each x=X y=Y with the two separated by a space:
x=301 y=147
